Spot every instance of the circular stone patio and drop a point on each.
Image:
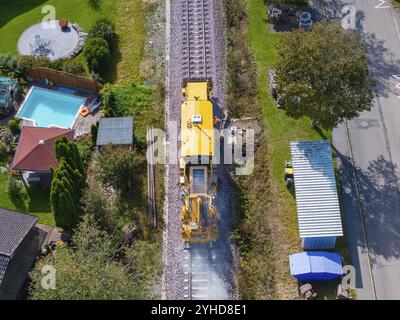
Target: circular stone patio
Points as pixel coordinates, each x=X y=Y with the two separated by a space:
x=53 y=43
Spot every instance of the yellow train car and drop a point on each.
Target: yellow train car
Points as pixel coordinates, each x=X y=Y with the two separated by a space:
x=197 y=173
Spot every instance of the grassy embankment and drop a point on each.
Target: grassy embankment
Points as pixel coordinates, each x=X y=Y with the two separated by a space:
x=279 y=211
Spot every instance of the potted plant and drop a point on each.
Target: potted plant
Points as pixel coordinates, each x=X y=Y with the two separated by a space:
x=63 y=23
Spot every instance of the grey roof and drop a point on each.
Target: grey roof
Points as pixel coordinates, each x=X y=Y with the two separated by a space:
x=118 y=131
x=4 y=260
x=316 y=194
x=14 y=226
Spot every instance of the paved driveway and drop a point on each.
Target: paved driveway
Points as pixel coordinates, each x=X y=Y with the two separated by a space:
x=368 y=148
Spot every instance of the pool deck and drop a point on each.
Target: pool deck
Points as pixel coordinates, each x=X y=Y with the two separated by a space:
x=82 y=124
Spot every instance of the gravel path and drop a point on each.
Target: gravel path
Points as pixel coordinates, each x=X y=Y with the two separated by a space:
x=173 y=279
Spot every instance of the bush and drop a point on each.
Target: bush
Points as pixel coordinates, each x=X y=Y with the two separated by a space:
x=241 y=69
x=127 y=99
x=96 y=53
x=16 y=191
x=104 y=29
x=8 y=63
x=97 y=77
x=93 y=132
x=28 y=62
x=121 y=168
x=3 y=151
x=13 y=125
x=75 y=67
x=57 y=64
x=64 y=64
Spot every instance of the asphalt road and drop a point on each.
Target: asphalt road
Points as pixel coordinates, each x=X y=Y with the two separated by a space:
x=368 y=150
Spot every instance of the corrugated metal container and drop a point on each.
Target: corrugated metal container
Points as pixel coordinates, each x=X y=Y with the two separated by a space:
x=318 y=243
x=316 y=194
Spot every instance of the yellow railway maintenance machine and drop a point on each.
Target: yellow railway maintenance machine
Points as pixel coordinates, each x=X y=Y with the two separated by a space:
x=197 y=173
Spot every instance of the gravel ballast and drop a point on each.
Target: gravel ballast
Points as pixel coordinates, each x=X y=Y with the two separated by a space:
x=173 y=258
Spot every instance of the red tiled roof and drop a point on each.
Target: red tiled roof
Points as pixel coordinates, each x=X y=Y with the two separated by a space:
x=35 y=151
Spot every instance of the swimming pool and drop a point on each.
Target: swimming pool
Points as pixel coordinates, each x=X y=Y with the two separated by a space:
x=50 y=108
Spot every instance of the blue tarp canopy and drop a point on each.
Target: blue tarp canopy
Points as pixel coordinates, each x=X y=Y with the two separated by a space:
x=316 y=265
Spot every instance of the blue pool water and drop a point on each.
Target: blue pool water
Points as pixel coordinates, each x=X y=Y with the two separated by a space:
x=51 y=108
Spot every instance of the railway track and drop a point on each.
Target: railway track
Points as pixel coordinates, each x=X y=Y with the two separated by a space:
x=200 y=278
x=195 y=49
x=151 y=179
x=196 y=38
x=199 y=270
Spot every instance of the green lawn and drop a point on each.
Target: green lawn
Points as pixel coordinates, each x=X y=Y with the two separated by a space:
x=131 y=31
x=127 y=15
x=281 y=130
x=17 y=15
x=38 y=203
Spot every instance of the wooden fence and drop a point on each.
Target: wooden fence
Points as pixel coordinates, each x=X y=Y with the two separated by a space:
x=65 y=78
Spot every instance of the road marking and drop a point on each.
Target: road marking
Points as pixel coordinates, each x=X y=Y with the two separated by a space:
x=380 y=6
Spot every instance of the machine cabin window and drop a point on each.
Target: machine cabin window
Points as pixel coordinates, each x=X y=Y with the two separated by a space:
x=199 y=180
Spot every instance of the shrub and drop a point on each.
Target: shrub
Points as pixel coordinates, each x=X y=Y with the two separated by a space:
x=56 y=64
x=8 y=63
x=13 y=125
x=75 y=67
x=120 y=168
x=64 y=64
x=127 y=99
x=104 y=29
x=96 y=53
x=28 y=62
x=3 y=151
x=67 y=184
x=97 y=77
x=93 y=132
x=16 y=191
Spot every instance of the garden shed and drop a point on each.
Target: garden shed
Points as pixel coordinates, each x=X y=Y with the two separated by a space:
x=115 y=131
x=19 y=244
x=317 y=201
x=9 y=93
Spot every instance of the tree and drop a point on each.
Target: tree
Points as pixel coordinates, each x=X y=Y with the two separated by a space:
x=102 y=28
x=97 y=203
x=121 y=168
x=67 y=184
x=90 y=269
x=13 y=125
x=96 y=53
x=8 y=63
x=69 y=151
x=323 y=74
